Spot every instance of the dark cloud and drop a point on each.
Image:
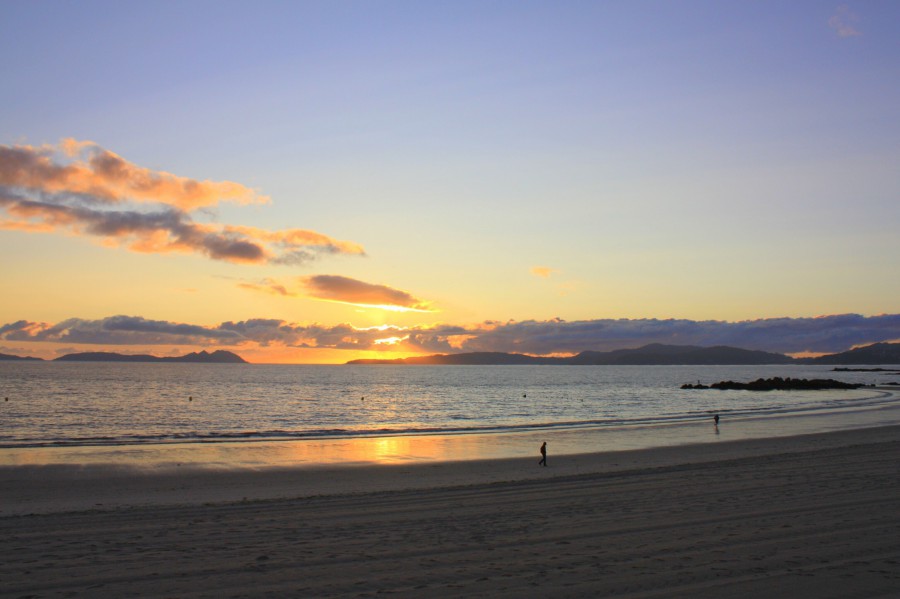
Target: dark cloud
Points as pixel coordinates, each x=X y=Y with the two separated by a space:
x=787 y=335
x=826 y=334
x=86 y=168
x=117 y=330
x=341 y=336
x=342 y=289
x=13 y=327
x=99 y=194
x=167 y=230
x=352 y=291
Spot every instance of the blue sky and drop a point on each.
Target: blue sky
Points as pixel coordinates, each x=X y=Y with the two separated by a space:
x=496 y=161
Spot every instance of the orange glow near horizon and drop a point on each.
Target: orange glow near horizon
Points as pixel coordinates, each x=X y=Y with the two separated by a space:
x=386 y=307
x=806 y=354
x=391 y=340
x=313 y=355
x=457 y=341
x=253 y=355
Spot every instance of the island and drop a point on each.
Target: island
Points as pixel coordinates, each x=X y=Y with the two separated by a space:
x=202 y=357
x=655 y=354
x=11 y=357
x=648 y=355
x=877 y=353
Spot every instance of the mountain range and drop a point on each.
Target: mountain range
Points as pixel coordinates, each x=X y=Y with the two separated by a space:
x=202 y=357
x=10 y=357
x=648 y=355
x=659 y=354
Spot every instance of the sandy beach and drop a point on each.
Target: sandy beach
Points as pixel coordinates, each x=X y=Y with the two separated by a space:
x=804 y=516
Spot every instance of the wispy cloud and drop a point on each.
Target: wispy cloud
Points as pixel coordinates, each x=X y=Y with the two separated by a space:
x=267 y=285
x=788 y=335
x=344 y=290
x=543 y=272
x=351 y=291
x=843 y=21
x=83 y=167
x=79 y=188
x=563 y=288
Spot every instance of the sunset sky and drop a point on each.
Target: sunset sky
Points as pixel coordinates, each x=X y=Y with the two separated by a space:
x=323 y=181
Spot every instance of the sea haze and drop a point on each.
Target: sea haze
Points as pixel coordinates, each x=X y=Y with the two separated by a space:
x=49 y=403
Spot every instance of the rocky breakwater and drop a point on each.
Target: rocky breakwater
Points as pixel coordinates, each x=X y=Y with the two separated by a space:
x=779 y=384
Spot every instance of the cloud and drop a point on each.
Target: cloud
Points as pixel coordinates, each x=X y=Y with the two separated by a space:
x=341 y=336
x=542 y=271
x=826 y=334
x=268 y=285
x=787 y=335
x=344 y=290
x=351 y=291
x=99 y=194
x=83 y=167
x=289 y=240
x=135 y=330
x=117 y=330
x=843 y=21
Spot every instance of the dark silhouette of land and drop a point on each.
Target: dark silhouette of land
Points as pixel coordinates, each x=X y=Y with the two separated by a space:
x=891 y=370
x=203 y=357
x=18 y=358
x=877 y=353
x=779 y=384
x=657 y=354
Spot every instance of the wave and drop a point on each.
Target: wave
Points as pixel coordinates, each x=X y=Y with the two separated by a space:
x=879 y=399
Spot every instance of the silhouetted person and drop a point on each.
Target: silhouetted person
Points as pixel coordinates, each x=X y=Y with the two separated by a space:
x=543 y=461
x=716 y=418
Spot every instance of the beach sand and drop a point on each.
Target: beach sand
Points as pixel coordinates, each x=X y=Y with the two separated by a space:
x=805 y=516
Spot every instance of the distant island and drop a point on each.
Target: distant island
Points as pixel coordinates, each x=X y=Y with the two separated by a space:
x=202 y=357
x=19 y=358
x=657 y=354
x=877 y=353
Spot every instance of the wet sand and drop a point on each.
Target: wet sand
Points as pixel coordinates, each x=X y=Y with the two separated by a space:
x=803 y=516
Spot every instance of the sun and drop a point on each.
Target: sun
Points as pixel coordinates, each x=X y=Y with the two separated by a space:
x=391 y=340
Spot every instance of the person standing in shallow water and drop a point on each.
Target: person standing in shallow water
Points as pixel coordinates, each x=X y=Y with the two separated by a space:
x=543 y=461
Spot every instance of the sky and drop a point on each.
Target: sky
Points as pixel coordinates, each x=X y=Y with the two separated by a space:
x=316 y=182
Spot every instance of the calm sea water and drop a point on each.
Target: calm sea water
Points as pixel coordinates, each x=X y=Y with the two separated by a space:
x=71 y=404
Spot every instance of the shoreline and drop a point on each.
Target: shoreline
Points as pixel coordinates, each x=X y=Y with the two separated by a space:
x=50 y=488
x=809 y=516
x=433 y=448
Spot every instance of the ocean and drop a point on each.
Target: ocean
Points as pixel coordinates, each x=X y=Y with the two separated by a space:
x=54 y=404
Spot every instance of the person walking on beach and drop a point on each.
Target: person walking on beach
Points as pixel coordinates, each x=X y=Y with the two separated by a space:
x=543 y=461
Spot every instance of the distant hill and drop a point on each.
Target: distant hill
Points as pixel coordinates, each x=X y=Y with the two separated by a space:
x=654 y=354
x=877 y=353
x=657 y=354
x=203 y=357
x=19 y=358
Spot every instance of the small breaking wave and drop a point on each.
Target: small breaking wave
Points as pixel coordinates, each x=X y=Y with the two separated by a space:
x=878 y=399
